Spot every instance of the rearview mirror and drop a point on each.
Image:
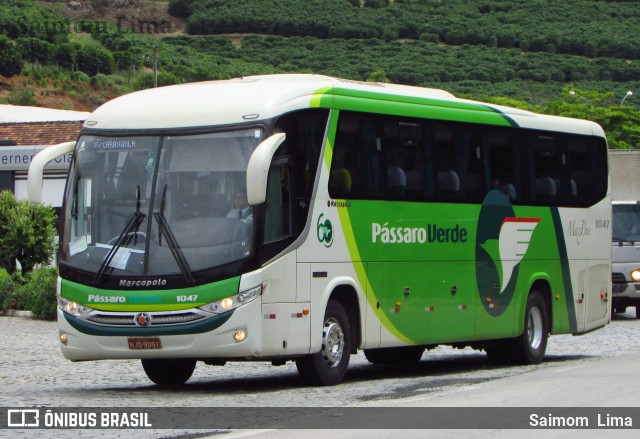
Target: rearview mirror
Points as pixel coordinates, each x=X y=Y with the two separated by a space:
x=34 y=180
x=258 y=168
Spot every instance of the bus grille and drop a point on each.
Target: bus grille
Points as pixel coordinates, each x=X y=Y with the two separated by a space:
x=618 y=278
x=157 y=319
x=619 y=283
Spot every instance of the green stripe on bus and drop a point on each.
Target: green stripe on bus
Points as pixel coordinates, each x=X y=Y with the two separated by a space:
x=410 y=106
x=149 y=300
x=371 y=295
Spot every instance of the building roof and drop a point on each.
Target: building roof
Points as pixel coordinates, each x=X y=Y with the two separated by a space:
x=17 y=113
x=39 y=133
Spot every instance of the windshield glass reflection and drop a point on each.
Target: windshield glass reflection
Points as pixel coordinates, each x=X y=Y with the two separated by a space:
x=149 y=205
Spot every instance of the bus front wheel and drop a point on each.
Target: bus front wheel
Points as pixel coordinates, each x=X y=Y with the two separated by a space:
x=169 y=372
x=329 y=366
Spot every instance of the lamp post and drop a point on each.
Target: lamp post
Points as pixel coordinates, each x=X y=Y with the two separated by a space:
x=155 y=65
x=573 y=93
x=629 y=93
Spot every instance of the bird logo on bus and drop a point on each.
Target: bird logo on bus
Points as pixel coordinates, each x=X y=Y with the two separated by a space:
x=502 y=242
x=325 y=231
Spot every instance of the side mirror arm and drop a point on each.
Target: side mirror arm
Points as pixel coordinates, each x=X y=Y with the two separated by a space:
x=36 y=169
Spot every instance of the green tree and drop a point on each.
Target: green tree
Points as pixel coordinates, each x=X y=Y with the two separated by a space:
x=181 y=8
x=10 y=60
x=146 y=80
x=35 y=49
x=93 y=59
x=26 y=233
x=378 y=76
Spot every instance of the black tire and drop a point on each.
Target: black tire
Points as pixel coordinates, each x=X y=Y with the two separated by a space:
x=529 y=348
x=169 y=372
x=399 y=355
x=329 y=366
x=620 y=309
x=499 y=353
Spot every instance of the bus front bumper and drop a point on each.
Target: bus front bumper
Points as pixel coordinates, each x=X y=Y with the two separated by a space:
x=215 y=337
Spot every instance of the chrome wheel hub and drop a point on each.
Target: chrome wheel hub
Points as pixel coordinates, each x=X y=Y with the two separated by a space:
x=332 y=342
x=534 y=328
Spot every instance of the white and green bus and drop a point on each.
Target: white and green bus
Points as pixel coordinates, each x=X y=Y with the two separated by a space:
x=302 y=217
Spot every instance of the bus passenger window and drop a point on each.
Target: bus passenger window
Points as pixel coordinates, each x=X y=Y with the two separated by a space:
x=355 y=166
x=550 y=180
x=404 y=159
x=447 y=162
x=504 y=163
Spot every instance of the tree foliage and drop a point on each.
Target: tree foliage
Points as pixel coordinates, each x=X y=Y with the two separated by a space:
x=27 y=233
x=10 y=60
x=583 y=27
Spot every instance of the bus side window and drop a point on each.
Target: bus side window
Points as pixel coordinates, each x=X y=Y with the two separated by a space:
x=355 y=166
x=305 y=131
x=404 y=159
x=471 y=164
x=550 y=184
x=587 y=178
x=279 y=214
x=447 y=163
x=504 y=163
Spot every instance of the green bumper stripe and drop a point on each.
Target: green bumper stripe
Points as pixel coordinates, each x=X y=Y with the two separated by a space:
x=195 y=328
x=149 y=300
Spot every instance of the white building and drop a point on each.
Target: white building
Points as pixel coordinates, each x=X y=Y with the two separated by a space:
x=24 y=131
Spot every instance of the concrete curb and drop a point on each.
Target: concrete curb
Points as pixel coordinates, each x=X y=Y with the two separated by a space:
x=16 y=313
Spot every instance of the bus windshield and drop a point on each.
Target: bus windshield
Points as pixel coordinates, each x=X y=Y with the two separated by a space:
x=149 y=205
x=626 y=223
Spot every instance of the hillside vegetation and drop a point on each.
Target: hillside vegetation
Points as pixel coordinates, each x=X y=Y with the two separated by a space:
x=525 y=53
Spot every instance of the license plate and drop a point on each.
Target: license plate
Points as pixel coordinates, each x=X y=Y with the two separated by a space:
x=144 y=343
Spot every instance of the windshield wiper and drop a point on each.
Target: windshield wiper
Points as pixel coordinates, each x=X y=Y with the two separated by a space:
x=123 y=239
x=165 y=230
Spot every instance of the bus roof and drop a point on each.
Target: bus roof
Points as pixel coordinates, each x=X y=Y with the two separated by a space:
x=239 y=100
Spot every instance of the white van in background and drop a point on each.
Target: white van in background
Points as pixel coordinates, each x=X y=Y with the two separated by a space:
x=625 y=256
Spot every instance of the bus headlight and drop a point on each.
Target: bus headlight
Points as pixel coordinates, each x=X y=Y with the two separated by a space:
x=635 y=275
x=229 y=303
x=73 y=308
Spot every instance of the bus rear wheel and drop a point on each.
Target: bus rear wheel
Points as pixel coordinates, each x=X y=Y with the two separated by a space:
x=329 y=366
x=399 y=355
x=169 y=372
x=528 y=348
